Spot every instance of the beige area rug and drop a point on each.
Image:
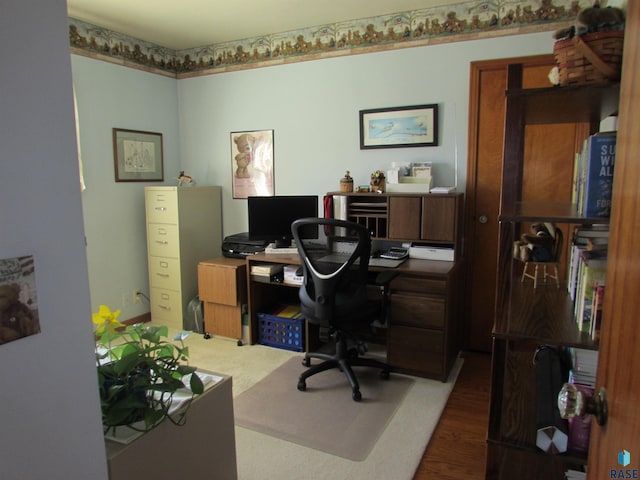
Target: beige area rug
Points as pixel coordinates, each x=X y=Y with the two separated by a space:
x=323 y=417
x=395 y=456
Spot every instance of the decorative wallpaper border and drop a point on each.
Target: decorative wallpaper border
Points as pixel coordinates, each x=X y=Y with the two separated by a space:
x=439 y=24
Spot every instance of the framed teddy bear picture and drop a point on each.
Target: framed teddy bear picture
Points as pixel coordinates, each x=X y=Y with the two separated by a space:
x=18 y=300
x=252 y=163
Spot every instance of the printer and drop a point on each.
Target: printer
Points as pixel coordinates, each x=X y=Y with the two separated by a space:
x=239 y=246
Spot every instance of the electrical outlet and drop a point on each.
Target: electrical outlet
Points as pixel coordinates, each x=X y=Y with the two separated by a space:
x=137 y=296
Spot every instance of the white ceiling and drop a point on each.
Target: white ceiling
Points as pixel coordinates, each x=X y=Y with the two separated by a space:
x=182 y=24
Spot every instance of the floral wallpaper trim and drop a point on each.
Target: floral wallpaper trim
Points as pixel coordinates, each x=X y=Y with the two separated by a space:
x=356 y=36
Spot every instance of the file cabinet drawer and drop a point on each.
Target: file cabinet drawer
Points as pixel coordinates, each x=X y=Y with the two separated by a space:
x=163 y=240
x=166 y=307
x=420 y=311
x=164 y=272
x=162 y=206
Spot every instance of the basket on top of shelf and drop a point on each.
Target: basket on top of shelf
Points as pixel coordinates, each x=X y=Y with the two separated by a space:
x=589 y=58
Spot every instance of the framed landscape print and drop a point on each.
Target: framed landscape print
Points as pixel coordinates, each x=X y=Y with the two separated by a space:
x=414 y=126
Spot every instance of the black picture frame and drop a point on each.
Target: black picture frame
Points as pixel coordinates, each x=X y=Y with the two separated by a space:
x=399 y=127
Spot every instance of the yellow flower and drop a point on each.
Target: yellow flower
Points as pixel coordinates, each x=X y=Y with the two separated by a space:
x=107 y=320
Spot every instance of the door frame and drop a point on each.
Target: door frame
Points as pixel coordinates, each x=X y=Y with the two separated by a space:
x=470 y=218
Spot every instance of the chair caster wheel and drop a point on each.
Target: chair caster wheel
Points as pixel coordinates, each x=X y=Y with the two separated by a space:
x=240 y=343
x=356 y=395
x=207 y=335
x=384 y=374
x=302 y=386
x=306 y=362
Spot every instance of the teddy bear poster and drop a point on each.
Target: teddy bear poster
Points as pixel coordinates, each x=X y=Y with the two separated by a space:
x=252 y=163
x=18 y=299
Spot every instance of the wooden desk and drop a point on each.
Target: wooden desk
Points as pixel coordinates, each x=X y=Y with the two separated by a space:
x=423 y=332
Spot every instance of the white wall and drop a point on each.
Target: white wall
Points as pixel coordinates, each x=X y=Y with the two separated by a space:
x=49 y=407
x=313 y=107
x=111 y=96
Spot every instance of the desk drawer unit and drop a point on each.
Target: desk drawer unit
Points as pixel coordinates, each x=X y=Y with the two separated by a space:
x=417 y=334
x=222 y=286
x=416 y=351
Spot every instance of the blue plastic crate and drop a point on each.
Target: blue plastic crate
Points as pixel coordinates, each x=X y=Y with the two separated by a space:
x=281 y=332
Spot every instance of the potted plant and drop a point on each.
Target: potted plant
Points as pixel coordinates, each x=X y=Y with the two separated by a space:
x=378 y=181
x=139 y=373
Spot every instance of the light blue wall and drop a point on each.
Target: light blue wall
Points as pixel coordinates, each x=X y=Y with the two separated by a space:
x=111 y=96
x=49 y=405
x=313 y=108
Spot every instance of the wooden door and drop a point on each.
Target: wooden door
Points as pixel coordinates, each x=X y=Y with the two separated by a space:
x=546 y=172
x=619 y=359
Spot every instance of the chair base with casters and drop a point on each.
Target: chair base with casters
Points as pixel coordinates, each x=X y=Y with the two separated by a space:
x=344 y=358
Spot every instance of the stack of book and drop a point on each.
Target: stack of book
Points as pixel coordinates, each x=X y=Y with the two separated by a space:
x=593 y=175
x=583 y=376
x=586 y=279
x=267 y=272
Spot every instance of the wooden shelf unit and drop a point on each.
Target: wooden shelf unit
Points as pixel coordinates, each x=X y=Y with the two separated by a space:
x=525 y=317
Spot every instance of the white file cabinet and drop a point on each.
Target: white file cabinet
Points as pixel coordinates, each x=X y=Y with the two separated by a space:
x=184 y=227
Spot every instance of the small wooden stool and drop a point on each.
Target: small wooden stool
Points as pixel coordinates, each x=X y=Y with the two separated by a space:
x=546 y=273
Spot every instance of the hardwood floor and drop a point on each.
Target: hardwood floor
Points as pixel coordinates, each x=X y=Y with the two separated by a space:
x=457 y=447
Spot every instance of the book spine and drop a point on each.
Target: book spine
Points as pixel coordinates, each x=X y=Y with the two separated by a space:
x=599 y=165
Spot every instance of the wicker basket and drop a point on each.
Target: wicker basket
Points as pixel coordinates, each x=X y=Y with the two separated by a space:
x=594 y=57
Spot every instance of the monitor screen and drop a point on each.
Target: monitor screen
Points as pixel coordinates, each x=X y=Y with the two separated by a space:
x=270 y=218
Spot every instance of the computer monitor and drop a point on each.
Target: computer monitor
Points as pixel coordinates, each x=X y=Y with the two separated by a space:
x=270 y=218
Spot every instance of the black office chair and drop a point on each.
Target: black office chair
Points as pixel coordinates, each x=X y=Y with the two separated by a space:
x=335 y=259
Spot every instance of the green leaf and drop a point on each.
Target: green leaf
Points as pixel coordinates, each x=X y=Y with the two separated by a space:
x=196 y=384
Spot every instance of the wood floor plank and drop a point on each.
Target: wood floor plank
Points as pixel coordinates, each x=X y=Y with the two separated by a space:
x=457 y=447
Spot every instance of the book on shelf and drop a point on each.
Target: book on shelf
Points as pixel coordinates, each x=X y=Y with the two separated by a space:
x=593 y=238
x=584 y=365
x=592 y=268
x=596 y=310
x=266 y=269
x=287 y=311
x=595 y=175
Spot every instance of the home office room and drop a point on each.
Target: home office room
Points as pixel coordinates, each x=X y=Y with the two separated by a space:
x=303 y=98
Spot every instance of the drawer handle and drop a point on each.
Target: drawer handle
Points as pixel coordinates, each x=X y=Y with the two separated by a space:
x=164 y=307
x=165 y=275
x=161 y=209
x=162 y=242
